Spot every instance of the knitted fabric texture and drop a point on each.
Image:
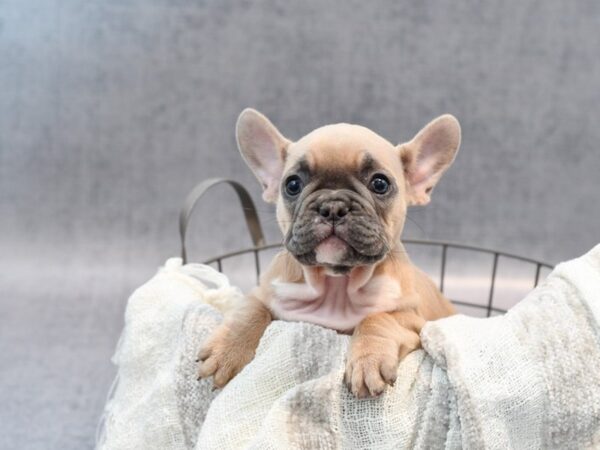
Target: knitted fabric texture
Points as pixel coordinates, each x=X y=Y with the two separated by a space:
x=525 y=380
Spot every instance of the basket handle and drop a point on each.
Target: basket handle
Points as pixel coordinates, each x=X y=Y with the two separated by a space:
x=247 y=204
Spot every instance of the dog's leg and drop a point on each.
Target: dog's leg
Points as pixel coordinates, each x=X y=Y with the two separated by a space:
x=234 y=342
x=378 y=344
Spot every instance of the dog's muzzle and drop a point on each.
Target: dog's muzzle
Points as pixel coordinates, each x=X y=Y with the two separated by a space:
x=338 y=228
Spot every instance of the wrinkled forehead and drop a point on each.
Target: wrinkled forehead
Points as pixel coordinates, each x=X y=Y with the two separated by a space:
x=343 y=148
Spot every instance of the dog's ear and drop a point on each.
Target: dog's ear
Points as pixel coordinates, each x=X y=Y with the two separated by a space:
x=264 y=150
x=427 y=156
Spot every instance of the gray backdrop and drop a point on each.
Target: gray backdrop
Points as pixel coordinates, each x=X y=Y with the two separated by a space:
x=111 y=110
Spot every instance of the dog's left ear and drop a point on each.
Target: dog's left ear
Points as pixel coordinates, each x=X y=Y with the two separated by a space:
x=264 y=150
x=427 y=156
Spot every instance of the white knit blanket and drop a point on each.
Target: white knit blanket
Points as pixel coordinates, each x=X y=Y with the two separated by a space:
x=527 y=380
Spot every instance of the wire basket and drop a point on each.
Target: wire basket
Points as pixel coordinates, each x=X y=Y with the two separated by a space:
x=479 y=281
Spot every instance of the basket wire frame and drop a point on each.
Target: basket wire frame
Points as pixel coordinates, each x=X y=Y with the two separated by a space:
x=260 y=246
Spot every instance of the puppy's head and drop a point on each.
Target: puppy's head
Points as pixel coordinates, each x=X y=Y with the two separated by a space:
x=342 y=190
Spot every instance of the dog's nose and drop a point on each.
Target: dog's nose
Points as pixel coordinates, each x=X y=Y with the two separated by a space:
x=333 y=210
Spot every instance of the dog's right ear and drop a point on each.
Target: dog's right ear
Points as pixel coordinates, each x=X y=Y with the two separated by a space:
x=264 y=150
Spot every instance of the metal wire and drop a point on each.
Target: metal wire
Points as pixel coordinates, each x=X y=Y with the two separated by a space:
x=493 y=283
x=489 y=307
x=537 y=274
x=258 y=241
x=443 y=268
x=248 y=208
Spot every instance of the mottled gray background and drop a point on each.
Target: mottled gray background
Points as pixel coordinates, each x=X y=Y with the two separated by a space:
x=111 y=110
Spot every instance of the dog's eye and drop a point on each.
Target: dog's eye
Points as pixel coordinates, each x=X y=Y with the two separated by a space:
x=293 y=185
x=379 y=184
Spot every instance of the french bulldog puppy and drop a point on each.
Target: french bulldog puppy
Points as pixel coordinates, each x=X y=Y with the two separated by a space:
x=341 y=192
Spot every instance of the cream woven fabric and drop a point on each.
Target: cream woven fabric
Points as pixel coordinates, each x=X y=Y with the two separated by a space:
x=527 y=380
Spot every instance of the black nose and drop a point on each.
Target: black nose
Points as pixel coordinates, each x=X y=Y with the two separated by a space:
x=333 y=210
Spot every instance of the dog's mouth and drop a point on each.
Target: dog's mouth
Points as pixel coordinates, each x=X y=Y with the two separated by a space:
x=333 y=249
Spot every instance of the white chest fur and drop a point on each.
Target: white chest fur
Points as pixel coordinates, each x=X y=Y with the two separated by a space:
x=334 y=301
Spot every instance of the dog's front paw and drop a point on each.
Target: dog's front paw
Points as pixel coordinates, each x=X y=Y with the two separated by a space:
x=223 y=356
x=370 y=367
